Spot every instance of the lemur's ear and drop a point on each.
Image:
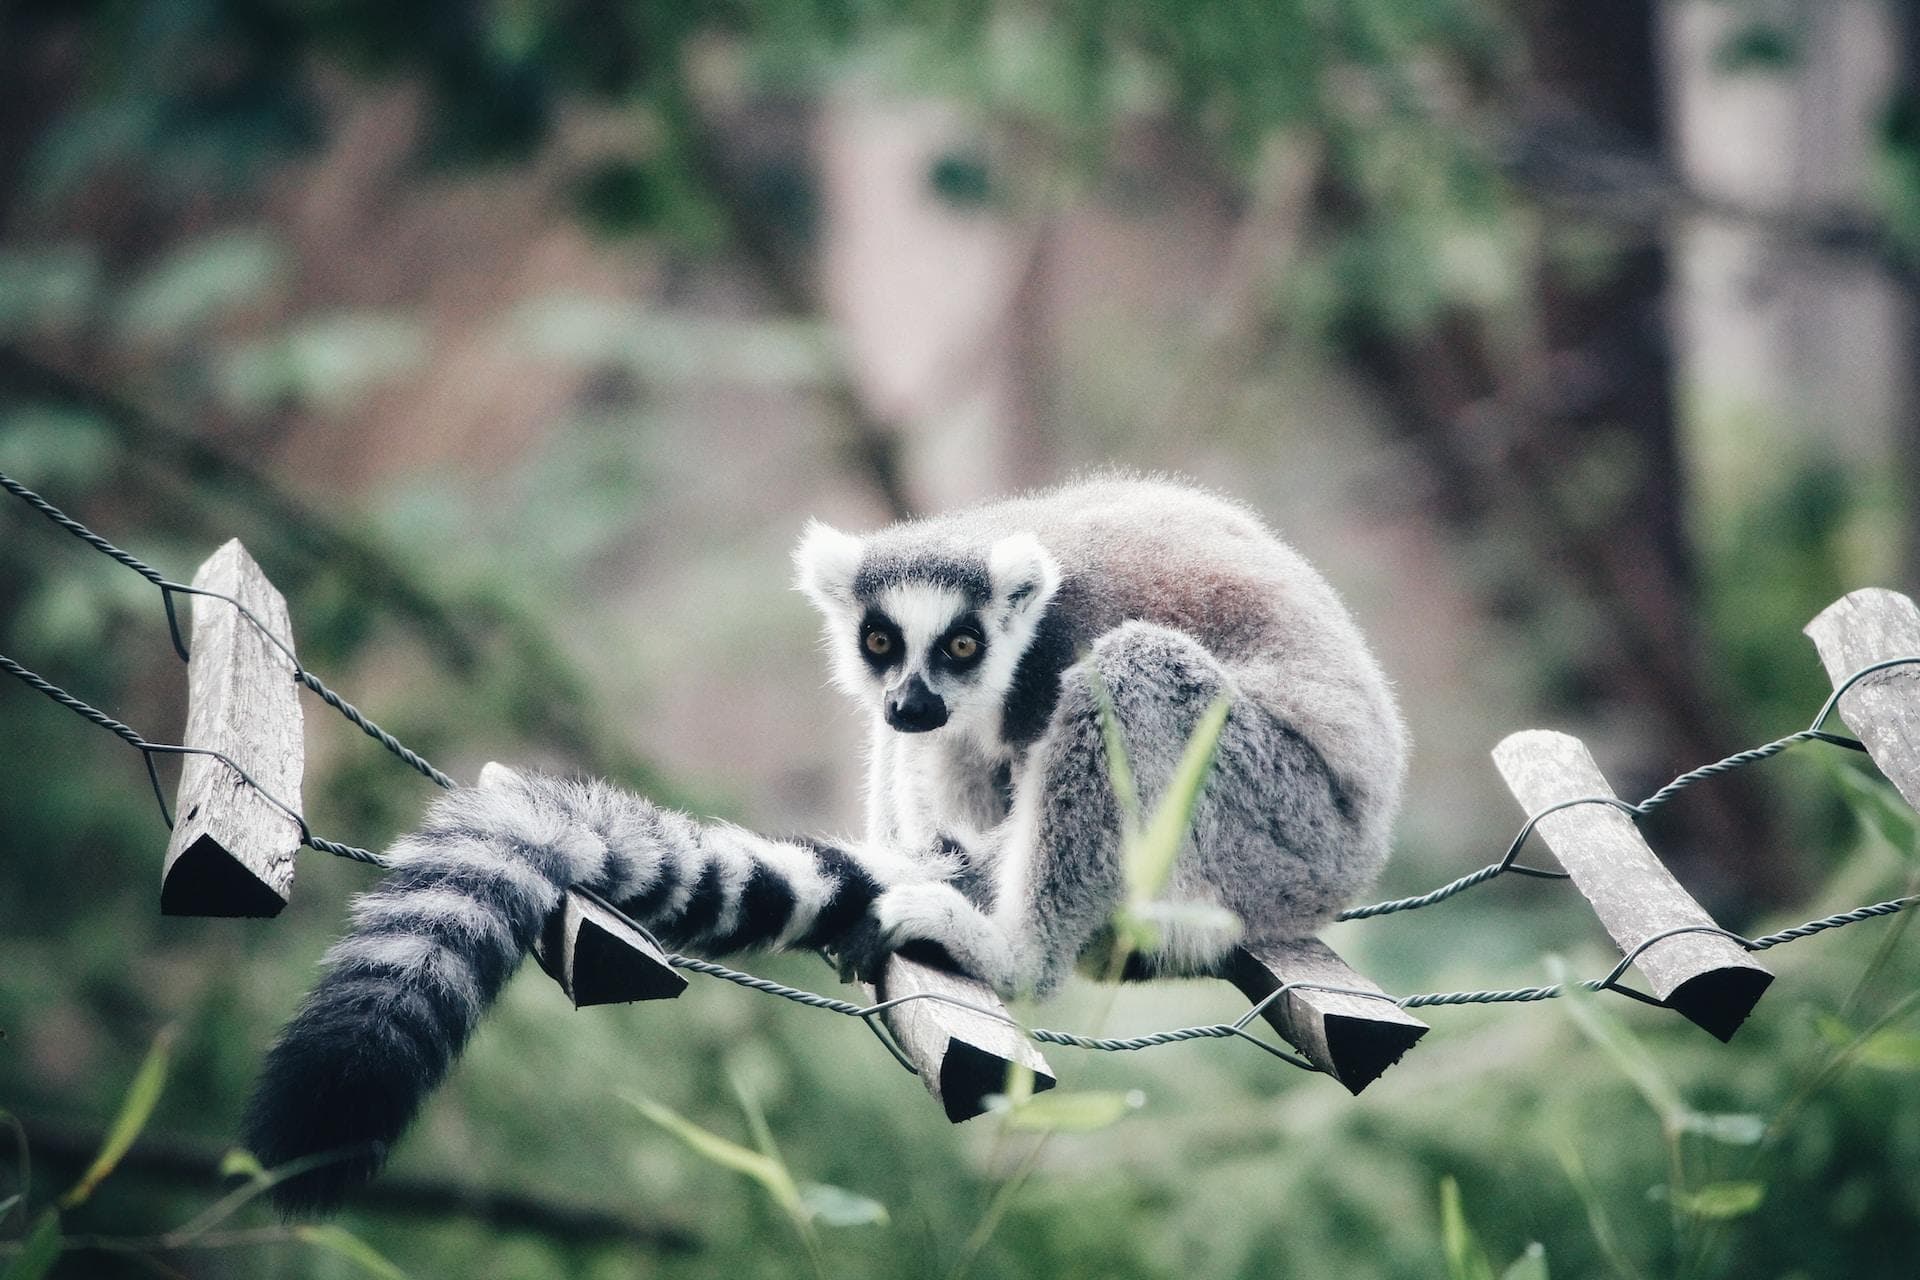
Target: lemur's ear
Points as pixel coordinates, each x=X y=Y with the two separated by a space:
x=824 y=564
x=1025 y=574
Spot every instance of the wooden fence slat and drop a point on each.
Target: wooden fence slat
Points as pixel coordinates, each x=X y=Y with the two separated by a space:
x=1710 y=979
x=963 y=1058
x=231 y=852
x=1351 y=1038
x=1883 y=710
x=595 y=956
x=598 y=958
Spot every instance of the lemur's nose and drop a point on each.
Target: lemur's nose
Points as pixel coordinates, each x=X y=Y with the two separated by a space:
x=914 y=708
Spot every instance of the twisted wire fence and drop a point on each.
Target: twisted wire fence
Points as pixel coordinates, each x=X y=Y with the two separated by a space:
x=870 y=1012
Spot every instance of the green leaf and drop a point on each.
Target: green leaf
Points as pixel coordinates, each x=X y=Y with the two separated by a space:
x=47 y=290
x=710 y=1146
x=1150 y=859
x=1530 y=1265
x=1191 y=917
x=673 y=346
x=961 y=178
x=135 y=1111
x=1019 y=1084
x=1735 y=1129
x=1074 y=1112
x=1720 y=1201
x=199 y=281
x=1879 y=809
x=340 y=1241
x=1465 y=1259
x=1119 y=766
x=23 y=1156
x=1629 y=1055
x=326 y=362
x=1890 y=1050
x=619 y=198
x=764 y=1167
x=839 y=1207
x=1833 y=1030
x=1757 y=46
x=54 y=447
x=242 y=1164
x=39 y=1252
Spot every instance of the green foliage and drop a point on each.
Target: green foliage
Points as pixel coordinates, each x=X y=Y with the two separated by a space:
x=38 y=1252
x=1150 y=845
x=1758 y=46
x=1466 y=1260
x=338 y=1240
x=135 y=1111
x=328 y=363
x=1068 y=1111
x=198 y=281
x=1611 y=1134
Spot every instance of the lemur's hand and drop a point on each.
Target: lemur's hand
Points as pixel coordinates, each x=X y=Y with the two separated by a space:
x=929 y=916
x=861 y=952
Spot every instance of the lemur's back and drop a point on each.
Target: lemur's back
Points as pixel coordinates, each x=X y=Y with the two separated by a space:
x=1166 y=552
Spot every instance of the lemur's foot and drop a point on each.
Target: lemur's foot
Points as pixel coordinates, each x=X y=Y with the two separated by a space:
x=912 y=917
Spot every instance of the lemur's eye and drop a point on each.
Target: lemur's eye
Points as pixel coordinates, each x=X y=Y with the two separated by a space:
x=878 y=643
x=962 y=647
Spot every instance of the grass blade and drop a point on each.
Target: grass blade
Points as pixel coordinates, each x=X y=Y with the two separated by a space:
x=39 y=1253
x=1150 y=861
x=135 y=1111
x=338 y=1240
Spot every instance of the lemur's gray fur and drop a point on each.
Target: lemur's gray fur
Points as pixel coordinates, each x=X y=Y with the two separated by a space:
x=973 y=641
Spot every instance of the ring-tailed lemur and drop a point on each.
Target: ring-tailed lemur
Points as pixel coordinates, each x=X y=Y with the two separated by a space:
x=974 y=641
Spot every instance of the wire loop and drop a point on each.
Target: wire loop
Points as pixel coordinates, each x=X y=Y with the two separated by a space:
x=870 y=1013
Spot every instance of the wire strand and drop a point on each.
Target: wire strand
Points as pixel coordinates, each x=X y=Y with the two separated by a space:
x=869 y=1013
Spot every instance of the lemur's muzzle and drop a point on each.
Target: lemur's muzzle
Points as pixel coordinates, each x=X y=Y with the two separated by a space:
x=914 y=708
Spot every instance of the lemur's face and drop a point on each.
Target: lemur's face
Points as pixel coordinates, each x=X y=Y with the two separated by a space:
x=930 y=640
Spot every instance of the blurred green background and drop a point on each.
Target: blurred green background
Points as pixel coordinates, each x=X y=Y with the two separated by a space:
x=1575 y=342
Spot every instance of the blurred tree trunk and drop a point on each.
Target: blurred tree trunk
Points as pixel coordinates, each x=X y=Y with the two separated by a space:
x=1792 y=339
x=1571 y=451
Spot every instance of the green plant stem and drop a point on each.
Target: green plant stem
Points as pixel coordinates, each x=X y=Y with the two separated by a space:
x=1882 y=953
x=1777 y=1128
x=997 y=1209
x=25 y=1187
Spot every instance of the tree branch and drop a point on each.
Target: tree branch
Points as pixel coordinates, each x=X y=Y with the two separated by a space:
x=872 y=445
x=179 y=1160
x=466 y=634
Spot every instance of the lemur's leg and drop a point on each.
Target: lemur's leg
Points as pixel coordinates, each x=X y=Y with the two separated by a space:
x=1059 y=862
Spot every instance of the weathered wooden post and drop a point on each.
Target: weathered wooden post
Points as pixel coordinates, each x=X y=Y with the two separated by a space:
x=1709 y=978
x=591 y=950
x=963 y=1057
x=1862 y=628
x=599 y=958
x=1352 y=1038
x=232 y=850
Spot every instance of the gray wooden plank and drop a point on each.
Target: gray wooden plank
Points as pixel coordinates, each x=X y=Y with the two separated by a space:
x=1350 y=1037
x=1710 y=979
x=594 y=953
x=1883 y=710
x=963 y=1057
x=599 y=958
x=232 y=850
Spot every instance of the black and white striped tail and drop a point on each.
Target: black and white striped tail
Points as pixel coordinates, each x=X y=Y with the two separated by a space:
x=434 y=943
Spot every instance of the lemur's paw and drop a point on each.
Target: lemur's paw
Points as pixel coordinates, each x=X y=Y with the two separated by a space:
x=938 y=915
x=861 y=952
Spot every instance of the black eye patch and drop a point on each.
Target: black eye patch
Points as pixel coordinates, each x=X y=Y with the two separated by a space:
x=881 y=643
